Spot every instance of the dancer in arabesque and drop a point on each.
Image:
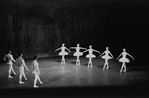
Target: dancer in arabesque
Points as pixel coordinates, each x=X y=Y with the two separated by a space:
x=63 y=53
x=124 y=60
x=90 y=55
x=78 y=53
x=106 y=57
x=10 y=61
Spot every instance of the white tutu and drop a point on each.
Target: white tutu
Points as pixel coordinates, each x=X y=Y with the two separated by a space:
x=90 y=56
x=63 y=53
x=78 y=54
x=124 y=60
x=106 y=57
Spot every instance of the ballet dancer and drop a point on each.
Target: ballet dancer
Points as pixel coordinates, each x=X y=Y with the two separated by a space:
x=106 y=57
x=10 y=61
x=124 y=60
x=78 y=53
x=90 y=55
x=21 y=66
x=36 y=71
x=63 y=53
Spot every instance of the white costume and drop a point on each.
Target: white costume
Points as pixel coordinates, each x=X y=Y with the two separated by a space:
x=124 y=59
x=90 y=55
x=36 y=72
x=106 y=56
x=63 y=52
x=78 y=53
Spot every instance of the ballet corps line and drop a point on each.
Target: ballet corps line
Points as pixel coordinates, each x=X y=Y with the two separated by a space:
x=106 y=55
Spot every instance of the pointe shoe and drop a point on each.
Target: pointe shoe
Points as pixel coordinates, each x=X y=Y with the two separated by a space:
x=25 y=78
x=35 y=86
x=21 y=82
x=15 y=74
x=10 y=77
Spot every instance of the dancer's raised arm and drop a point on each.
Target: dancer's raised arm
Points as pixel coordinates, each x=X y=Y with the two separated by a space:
x=130 y=56
x=58 y=49
x=83 y=48
x=96 y=51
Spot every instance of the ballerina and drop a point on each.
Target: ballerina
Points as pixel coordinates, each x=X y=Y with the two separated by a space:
x=36 y=71
x=106 y=57
x=10 y=61
x=21 y=64
x=78 y=53
x=124 y=60
x=63 y=53
x=90 y=55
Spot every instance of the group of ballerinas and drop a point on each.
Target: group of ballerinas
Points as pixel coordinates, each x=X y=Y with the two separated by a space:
x=107 y=55
x=21 y=65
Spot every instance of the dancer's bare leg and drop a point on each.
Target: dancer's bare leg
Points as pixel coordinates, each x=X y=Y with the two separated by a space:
x=107 y=64
x=77 y=61
x=13 y=70
x=9 y=71
x=35 y=80
x=39 y=80
x=122 y=68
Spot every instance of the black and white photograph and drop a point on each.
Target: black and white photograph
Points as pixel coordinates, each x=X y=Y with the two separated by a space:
x=74 y=48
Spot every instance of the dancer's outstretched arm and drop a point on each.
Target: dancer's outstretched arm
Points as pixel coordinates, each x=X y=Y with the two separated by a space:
x=101 y=54
x=96 y=51
x=111 y=54
x=119 y=56
x=85 y=51
x=72 y=48
x=67 y=49
x=130 y=56
x=58 y=49
x=83 y=48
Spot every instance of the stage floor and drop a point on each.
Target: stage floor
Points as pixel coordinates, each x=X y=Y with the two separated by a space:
x=69 y=75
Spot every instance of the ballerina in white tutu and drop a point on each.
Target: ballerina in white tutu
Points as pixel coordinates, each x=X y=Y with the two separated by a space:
x=63 y=53
x=78 y=53
x=10 y=61
x=90 y=55
x=106 y=57
x=124 y=60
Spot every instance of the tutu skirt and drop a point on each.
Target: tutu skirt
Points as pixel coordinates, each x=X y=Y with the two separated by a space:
x=90 y=56
x=63 y=53
x=106 y=57
x=78 y=54
x=124 y=60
